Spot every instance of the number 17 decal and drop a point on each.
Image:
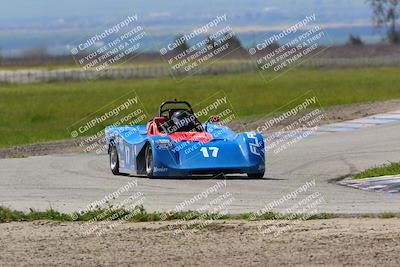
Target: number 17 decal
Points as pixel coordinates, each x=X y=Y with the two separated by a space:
x=213 y=150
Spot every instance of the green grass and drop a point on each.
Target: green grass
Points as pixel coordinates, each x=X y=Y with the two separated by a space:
x=141 y=215
x=127 y=64
x=386 y=169
x=73 y=65
x=388 y=215
x=42 y=112
x=384 y=215
x=8 y=215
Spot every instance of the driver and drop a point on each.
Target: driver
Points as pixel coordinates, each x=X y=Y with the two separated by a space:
x=185 y=121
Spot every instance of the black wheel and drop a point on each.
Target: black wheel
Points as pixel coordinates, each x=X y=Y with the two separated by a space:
x=149 y=161
x=256 y=175
x=114 y=161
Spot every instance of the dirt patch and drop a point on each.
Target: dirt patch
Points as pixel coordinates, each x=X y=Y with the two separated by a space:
x=332 y=114
x=40 y=149
x=334 y=242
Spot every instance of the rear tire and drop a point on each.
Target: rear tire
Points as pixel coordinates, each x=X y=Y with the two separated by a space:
x=149 y=161
x=256 y=175
x=114 y=160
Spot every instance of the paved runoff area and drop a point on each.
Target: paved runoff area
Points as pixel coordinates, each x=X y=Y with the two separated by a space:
x=301 y=176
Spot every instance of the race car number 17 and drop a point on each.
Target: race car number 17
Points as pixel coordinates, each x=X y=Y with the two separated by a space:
x=207 y=150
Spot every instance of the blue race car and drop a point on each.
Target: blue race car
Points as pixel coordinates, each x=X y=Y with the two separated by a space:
x=176 y=144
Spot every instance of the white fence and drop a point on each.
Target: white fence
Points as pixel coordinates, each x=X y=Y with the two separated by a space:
x=117 y=73
x=156 y=71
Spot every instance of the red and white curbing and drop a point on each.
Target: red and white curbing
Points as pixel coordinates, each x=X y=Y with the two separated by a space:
x=390 y=183
x=367 y=122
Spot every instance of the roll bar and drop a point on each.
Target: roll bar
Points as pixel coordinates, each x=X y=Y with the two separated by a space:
x=175 y=102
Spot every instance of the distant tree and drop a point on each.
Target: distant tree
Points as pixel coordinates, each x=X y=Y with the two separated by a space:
x=181 y=44
x=1 y=56
x=273 y=46
x=355 y=40
x=39 y=51
x=234 y=42
x=211 y=42
x=230 y=39
x=386 y=13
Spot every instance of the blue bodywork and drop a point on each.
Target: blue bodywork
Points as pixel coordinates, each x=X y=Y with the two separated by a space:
x=226 y=152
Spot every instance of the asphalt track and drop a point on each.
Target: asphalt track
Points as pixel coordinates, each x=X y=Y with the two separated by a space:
x=70 y=182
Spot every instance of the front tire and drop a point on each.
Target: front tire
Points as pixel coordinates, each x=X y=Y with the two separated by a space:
x=149 y=161
x=114 y=160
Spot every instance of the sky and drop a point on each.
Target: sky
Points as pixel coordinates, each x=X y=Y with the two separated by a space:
x=55 y=23
x=24 y=11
